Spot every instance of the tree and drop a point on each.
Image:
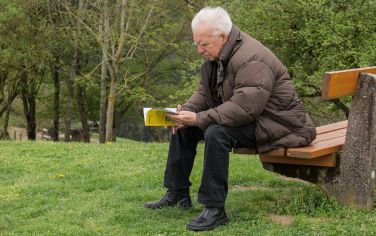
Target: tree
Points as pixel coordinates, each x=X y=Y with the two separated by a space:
x=312 y=37
x=120 y=30
x=8 y=92
x=25 y=53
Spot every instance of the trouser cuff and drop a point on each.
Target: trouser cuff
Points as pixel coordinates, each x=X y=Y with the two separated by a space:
x=211 y=204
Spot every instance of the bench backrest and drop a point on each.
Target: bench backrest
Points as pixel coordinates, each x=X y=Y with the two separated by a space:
x=342 y=83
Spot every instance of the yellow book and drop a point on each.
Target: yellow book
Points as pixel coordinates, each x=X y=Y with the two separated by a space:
x=157 y=116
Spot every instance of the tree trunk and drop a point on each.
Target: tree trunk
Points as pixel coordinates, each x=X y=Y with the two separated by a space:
x=85 y=134
x=56 y=115
x=6 y=99
x=6 y=118
x=4 y=133
x=4 y=105
x=103 y=103
x=68 y=112
x=115 y=126
x=110 y=110
x=2 y=88
x=75 y=70
x=113 y=71
x=28 y=101
x=354 y=185
x=104 y=31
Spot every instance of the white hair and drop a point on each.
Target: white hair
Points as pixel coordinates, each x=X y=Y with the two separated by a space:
x=216 y=17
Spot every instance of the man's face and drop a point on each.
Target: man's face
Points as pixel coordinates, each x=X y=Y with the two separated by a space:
x=208 y=45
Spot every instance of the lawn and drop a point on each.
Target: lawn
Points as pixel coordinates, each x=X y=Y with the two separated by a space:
x=51 y=188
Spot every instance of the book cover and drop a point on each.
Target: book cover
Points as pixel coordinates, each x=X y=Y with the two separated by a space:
x=157 y=116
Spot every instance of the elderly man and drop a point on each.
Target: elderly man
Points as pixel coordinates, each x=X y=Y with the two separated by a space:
x=245 y=99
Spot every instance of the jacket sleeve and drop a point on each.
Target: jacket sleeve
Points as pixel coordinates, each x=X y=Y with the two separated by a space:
x=253 y=85
x=198 y=101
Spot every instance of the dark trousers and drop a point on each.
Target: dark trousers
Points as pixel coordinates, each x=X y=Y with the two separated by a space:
x=219 y=141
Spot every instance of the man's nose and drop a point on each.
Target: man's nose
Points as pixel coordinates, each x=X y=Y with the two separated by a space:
x=200 y=49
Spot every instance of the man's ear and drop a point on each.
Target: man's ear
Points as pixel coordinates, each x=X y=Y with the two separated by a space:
x=224 y=37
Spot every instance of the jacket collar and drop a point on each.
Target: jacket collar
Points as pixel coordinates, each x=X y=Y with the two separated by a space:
x=229 y=46
x=227 y=51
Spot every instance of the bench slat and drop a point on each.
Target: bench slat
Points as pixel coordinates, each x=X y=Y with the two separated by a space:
x=245 y=151
x=331 y=127
x=342 y=83
x=331 y=135
x=326 y=161
x=318 y=149
x=325 y=132
x=275 y=152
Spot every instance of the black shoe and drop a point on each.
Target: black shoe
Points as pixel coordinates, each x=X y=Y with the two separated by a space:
x=172 y=198
x=209 y=218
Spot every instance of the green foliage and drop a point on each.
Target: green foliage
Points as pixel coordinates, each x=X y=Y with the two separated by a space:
x=312 y=37
x=23 y=34
x=153 y=74
x=191 y=76
x=90 y=189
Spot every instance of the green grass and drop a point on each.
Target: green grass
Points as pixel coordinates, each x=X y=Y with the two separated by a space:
x=90 y=189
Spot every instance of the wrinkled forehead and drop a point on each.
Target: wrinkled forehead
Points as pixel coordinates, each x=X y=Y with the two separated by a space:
x=203 y=31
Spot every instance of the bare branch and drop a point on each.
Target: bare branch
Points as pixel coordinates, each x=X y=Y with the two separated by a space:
x=97 y=38
x=105 y=33
x=130 y=12
x=96 y=67
x=192 y=4
x=122 y=30
x=134 y=47
x=110 y=68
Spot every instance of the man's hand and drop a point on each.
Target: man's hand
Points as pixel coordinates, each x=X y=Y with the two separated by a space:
x=184 y=118
x=176 y=124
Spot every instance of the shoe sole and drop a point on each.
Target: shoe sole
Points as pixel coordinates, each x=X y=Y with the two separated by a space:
x=167 y=206
x=183 y=205
x=223 y=221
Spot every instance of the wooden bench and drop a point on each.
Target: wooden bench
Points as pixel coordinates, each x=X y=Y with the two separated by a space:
x=322 y=162
x=330 y=139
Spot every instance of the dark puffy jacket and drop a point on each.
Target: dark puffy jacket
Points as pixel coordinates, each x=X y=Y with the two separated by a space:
x=254 y=87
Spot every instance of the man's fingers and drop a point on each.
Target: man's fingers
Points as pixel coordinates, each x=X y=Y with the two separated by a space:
x=170 y=116
x=173 y=117
x=179 y=108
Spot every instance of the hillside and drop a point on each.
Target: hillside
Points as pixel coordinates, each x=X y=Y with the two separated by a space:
x=51 y=188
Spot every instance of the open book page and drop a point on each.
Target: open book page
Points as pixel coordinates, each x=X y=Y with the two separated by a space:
x=157 y=116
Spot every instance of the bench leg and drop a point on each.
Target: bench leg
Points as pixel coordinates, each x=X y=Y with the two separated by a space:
x=352 y=181
x=355 y=182
x=304 y=172
x=310 y=170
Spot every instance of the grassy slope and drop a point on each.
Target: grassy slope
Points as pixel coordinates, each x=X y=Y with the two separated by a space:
x=89 y=189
